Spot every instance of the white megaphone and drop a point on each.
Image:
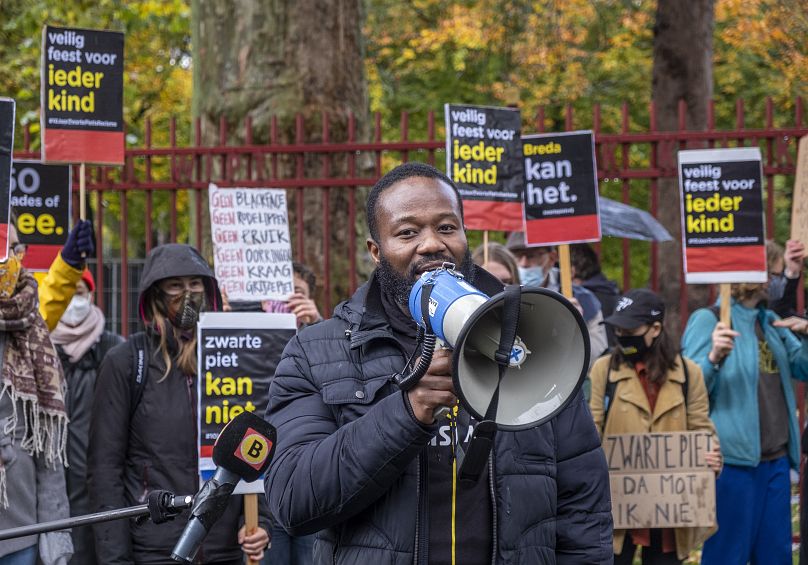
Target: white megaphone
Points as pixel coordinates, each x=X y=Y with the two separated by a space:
x=534 y=379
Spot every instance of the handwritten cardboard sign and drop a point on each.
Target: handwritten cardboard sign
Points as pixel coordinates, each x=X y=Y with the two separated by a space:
x=799 y=207
x=661 y=480
x=237 y=356
x=252 y=253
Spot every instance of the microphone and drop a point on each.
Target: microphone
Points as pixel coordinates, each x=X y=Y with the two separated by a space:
x=243 y=451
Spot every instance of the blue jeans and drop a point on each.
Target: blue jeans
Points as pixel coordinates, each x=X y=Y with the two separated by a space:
x=25 y=556
x=289 y=550
x=753 y=507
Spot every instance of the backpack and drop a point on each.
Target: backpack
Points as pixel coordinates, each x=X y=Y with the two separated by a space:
x=611 y=388
x=138 y=345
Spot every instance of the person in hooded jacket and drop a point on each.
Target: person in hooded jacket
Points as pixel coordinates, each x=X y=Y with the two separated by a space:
x=152 y=445
x=82 y=343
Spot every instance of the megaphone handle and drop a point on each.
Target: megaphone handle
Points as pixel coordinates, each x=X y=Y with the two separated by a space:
x=440 y=412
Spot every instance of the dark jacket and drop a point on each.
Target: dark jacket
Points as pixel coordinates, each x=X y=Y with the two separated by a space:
x=80 y=378
x=156 y=448
x=348 y=457
x=607 y=292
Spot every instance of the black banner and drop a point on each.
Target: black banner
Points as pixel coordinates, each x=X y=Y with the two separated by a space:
x=238 y=354
x=561 y=188
x=7 y=113
x=82 y=95
x=484 y=159
x=723 y=232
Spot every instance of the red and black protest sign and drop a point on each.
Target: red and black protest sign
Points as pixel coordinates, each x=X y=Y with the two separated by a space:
x=237 y=356
x=7 y=113
x=82 y=96
x=561 y=188
x=723 y=233
x=484 y=159
x=40 y=199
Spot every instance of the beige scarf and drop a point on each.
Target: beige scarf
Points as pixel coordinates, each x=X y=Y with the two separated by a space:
x=77 y=340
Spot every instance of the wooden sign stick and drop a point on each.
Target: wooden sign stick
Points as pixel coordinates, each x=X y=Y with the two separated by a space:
x=565 y=269
x=725 y=294
x=251 y=518
x=485 y=247
x=82 y=193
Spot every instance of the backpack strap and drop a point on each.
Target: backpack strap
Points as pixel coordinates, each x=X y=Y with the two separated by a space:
x=139 y=373
x=608 y=395
x=685 y=385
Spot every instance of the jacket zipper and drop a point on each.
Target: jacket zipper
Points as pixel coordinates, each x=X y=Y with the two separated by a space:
x=493 y=508
x=421 y=493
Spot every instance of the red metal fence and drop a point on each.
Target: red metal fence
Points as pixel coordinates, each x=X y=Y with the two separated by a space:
x=160 y=181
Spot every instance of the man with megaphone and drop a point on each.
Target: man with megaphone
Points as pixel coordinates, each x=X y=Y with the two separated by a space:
x=363 y=460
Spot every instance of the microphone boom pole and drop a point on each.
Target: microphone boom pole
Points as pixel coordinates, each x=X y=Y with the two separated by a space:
x=167 y=504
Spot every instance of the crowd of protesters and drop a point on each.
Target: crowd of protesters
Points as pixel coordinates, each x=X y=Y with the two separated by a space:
x=67 y=397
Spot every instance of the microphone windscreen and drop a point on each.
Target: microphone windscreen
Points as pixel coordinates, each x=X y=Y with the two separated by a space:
x=245 y=446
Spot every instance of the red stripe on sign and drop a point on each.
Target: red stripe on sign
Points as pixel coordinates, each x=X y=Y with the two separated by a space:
x=560 y=230
x=726 y=258
x=206 y=451
x=39 y=257
x=490 y=215
x=83 y=146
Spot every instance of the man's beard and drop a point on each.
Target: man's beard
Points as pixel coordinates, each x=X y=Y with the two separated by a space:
x=398 y=286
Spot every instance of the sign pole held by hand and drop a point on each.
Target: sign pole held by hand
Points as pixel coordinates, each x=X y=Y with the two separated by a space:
x=485 y=247
x=725 y=293
x=82 y=194
x=251 y=518
x=565 y=268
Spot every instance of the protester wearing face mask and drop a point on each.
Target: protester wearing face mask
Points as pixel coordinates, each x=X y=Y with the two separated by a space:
x=748 y=367
x=82 y=343
x=33 y=421
x=537 y=268
x=640 y=388
x=146 y=443
x=785 y=267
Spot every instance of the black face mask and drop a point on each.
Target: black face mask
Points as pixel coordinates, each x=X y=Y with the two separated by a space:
x=633 y=347
x=183 y=310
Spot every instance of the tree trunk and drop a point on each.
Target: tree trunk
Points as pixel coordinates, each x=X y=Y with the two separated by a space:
x=682 y=70
x=280 y=59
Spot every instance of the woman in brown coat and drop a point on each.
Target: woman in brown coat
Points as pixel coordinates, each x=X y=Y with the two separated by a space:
x=647 y=394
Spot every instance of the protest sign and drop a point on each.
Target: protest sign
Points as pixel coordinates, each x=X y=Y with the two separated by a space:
x=7 y=113
x=561 y=188
x=82 y=96
x=723 y=235
x=484 y=159
x=40 y=199
x=661 y=480
x=237 y=356
x=799 y=206
x=252 y=253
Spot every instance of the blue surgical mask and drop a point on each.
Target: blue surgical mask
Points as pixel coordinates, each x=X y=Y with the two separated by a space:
x=531 y=276
x=777 y=287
